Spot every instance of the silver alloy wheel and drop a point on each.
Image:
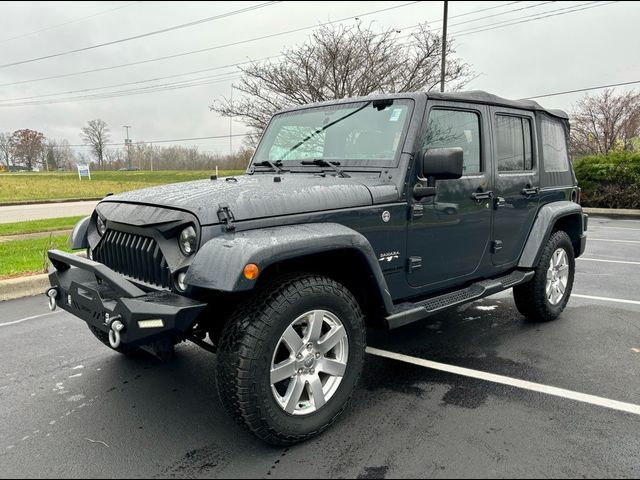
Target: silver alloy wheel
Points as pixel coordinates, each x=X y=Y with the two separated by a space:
x=309 y=362
x=557 y=276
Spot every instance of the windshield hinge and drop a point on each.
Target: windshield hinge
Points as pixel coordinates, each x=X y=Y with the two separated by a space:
x=226 y=217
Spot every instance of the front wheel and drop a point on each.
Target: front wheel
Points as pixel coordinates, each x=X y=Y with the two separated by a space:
x=545 y=297
x=289 y=362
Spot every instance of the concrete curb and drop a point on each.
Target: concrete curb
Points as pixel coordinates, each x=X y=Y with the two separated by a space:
x=29 y=286
x=618 y=212
x=27 y=236
x=23 y=287
x=46 y=202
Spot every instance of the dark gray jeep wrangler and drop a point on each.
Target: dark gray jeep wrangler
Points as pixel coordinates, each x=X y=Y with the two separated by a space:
x=376 y=211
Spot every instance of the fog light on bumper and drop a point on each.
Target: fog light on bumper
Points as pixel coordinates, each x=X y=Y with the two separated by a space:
x=180 y=282
x=152 y=323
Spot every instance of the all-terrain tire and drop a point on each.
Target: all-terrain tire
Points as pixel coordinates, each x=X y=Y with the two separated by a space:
x=531 y=298
x=246 y=350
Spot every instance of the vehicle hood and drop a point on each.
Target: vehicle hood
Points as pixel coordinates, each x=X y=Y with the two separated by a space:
x=259 y=196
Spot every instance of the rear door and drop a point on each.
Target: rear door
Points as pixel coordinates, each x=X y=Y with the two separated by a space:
x=448 y=235
x=517 y=182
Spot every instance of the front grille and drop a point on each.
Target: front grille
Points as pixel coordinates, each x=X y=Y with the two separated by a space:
x=135 y=256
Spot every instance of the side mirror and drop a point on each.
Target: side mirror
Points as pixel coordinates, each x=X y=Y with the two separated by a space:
x=443 y=163
x=438 y=164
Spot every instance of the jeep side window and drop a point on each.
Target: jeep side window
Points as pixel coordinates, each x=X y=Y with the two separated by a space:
x=456 y=128
x=514 y=152
x=554 y=147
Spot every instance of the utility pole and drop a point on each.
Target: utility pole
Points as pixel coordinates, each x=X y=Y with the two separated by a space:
x=127 y=142
x=444 y=45
x=231 y=128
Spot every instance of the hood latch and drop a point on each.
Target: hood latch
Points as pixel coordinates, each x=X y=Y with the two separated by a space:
x=225 y=215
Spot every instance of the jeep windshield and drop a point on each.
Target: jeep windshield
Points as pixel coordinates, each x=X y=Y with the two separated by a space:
x=357 y=134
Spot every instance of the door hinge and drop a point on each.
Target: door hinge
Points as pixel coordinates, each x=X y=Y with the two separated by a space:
x=225 y=215
x=414 y=263
x=417 y=210
x=496 y=246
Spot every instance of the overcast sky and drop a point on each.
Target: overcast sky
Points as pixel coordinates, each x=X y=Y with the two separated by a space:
x=596 y=46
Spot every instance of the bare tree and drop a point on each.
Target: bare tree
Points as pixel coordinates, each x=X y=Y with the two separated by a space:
x=96 y=134
x=27 y=147
x=605 y=122
x=339 y=62
x=5 y=148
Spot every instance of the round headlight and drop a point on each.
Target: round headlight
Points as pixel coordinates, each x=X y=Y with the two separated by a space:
x=188 y=241
x=102 y=225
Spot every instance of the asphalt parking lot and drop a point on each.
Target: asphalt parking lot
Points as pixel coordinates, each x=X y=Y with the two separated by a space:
x=71 y=408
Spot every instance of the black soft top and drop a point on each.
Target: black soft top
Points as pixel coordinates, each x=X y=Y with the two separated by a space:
x=479 y=96
x=475 y=96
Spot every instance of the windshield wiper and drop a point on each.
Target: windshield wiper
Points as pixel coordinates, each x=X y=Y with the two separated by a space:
x=268 y=163
x=320 y=130
x=321 y=162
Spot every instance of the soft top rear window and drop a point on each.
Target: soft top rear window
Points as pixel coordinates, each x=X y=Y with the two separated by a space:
x=554 y=146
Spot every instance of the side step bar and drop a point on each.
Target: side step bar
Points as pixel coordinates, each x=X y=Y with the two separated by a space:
x=407 y=313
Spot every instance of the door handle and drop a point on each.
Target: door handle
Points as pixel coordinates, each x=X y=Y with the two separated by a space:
x=527 y=192
x=481 y=196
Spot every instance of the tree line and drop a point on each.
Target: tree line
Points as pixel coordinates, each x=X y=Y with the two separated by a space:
x=28 y=150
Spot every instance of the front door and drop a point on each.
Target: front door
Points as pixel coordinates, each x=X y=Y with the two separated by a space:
x=516 y=183
x=449 y=234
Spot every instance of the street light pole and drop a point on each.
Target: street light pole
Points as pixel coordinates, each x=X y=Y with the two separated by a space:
x=444 y=45
x=127 y=142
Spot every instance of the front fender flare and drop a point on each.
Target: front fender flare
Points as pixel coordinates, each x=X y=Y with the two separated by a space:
x=78 y=239
x=218 y=265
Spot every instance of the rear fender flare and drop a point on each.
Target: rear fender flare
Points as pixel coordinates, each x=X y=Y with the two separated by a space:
x=547 y=217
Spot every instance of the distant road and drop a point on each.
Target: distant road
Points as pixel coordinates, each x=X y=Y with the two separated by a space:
x=21 y=213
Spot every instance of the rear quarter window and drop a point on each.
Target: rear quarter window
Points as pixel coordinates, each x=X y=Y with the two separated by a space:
x=554 y=147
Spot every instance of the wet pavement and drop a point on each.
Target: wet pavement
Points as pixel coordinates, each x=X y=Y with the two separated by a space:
x=70 y=407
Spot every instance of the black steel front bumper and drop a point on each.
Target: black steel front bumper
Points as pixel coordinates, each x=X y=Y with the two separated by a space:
x=100 y=297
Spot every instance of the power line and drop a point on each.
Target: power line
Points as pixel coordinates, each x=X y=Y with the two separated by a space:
x=528 y=7
x=143 y=35
x=233 y=44
x=579 y=90
x=129 y=92
x=208 y=49
x=109 y=68
x=84 y=90
x=243 y=63
x=208 y=80
x=532 y=18
x=164 y=141
x=76 y=20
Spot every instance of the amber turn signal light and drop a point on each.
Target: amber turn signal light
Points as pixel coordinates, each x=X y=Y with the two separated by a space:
x=251 y=271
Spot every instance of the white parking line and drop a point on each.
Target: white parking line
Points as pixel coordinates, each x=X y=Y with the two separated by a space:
x=607 y=261
x=611 y=240
x=15 y=322
x=512 y=382
x=616 y=228
x=606 y=299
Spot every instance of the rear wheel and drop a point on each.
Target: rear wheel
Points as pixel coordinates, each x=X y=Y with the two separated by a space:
x=290 y=360
x=545 y=297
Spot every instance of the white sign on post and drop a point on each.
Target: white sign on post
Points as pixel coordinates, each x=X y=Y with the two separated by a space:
x=83 y=171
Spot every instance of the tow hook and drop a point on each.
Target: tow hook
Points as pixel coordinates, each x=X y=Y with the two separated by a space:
x=114 y=333
x=52 y=293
